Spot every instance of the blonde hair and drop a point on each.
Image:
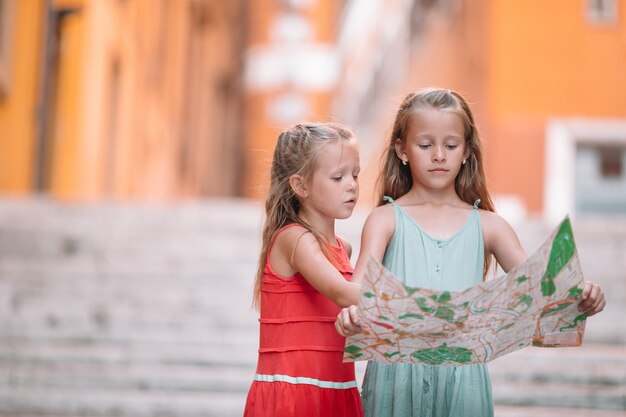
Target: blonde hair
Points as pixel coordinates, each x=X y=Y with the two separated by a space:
x=395 y=179
x=296 y=153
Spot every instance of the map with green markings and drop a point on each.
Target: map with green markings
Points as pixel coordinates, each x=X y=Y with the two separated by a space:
x=535 y=303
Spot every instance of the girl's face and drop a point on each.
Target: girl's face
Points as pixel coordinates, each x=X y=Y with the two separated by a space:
x=333 y=189
x=434 y=148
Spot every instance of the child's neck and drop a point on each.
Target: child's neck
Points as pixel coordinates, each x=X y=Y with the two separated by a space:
x=325 y=227
x=438 y=198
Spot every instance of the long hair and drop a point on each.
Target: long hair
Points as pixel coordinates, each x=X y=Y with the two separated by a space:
x=296 y=153
x=395 y=179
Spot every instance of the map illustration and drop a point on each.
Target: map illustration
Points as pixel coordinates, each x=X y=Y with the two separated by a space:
x=535 y=303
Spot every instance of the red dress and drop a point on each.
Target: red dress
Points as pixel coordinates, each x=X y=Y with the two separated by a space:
x=300 y=370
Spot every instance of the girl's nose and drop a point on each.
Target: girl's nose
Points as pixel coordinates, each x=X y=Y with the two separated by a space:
x=353 y=184
x=439 y=154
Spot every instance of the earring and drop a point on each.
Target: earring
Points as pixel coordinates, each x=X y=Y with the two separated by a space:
x=464 y=161
x=403 y=162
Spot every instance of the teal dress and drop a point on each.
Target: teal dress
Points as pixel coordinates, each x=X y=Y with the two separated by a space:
x=454 y=264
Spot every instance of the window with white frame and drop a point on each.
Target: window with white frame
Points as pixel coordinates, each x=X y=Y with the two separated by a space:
x=601 y=11
x=585 y=171
x=600 y=180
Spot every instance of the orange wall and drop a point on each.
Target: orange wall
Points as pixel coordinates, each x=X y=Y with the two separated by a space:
x=18 y=109
x=520 y=63
x=128 y=97
x=263 y=133
x=67 y=139
x=547 y=61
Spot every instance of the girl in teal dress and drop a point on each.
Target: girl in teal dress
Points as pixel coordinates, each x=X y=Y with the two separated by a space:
x=438 y=231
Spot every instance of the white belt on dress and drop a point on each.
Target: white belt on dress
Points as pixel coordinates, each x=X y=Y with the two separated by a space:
x=305 y=380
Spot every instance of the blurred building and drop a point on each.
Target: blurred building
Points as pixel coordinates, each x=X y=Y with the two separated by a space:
x=163 y=99
x=546 y=80
x=132 y=99
x=292 y=73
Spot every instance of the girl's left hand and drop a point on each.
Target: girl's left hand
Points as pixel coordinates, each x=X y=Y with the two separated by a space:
x=348 y=322
x=593 y=300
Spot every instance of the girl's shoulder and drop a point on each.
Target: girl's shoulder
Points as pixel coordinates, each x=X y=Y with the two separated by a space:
x=283 y=248
x=381 y=222
x=382 y=210
x=295 y=235
x=502 y=241
x=288 y=234
x=496 y=230
x=492 y=221
x=382 y=214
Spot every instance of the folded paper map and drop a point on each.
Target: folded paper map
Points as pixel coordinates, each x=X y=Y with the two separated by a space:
x=535 y=303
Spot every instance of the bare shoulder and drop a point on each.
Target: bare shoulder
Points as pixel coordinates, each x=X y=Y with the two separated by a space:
x=492 y=220
x=501 y=240
x=382 y=213
x=495 y=226
x=381 y=219
x=285 y=242
x=377 y=233
x=379 y=227
x=291 y=234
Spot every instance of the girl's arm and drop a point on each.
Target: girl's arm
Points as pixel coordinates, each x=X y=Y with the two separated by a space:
x=296 y=250
x=377 y=232
x=502 y=242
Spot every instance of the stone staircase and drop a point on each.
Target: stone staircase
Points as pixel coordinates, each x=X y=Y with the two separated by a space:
x=144 y=310
x=126 y=310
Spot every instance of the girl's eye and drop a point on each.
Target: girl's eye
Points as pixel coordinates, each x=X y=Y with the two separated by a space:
x=452 y=146
x=424 y=146
x=337 y=179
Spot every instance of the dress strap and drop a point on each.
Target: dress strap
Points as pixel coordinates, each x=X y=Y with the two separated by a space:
x=279 y=231
x=476 y=203
x=388 y=199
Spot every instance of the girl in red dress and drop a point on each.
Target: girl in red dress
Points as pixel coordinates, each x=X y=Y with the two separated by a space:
x=304 y=277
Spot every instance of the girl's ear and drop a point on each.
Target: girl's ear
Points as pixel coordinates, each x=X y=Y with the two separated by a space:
x=400 y=151
x=298 y=185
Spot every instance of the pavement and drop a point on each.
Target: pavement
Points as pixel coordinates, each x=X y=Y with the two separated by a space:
x=144 y=310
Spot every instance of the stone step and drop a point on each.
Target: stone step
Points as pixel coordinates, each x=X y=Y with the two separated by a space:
x=116 y=306
x=111 y=323
x=228 y=348
x=159 y=298
x=42 y=229
x=69 y=402
x=553 y=394
x=148 y=376
x=198 y=277
x=588 y=359
x=591 y=376
x=516 y=411
x=184 y=247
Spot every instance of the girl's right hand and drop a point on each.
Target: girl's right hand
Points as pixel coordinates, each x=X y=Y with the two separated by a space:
x=348 y=322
